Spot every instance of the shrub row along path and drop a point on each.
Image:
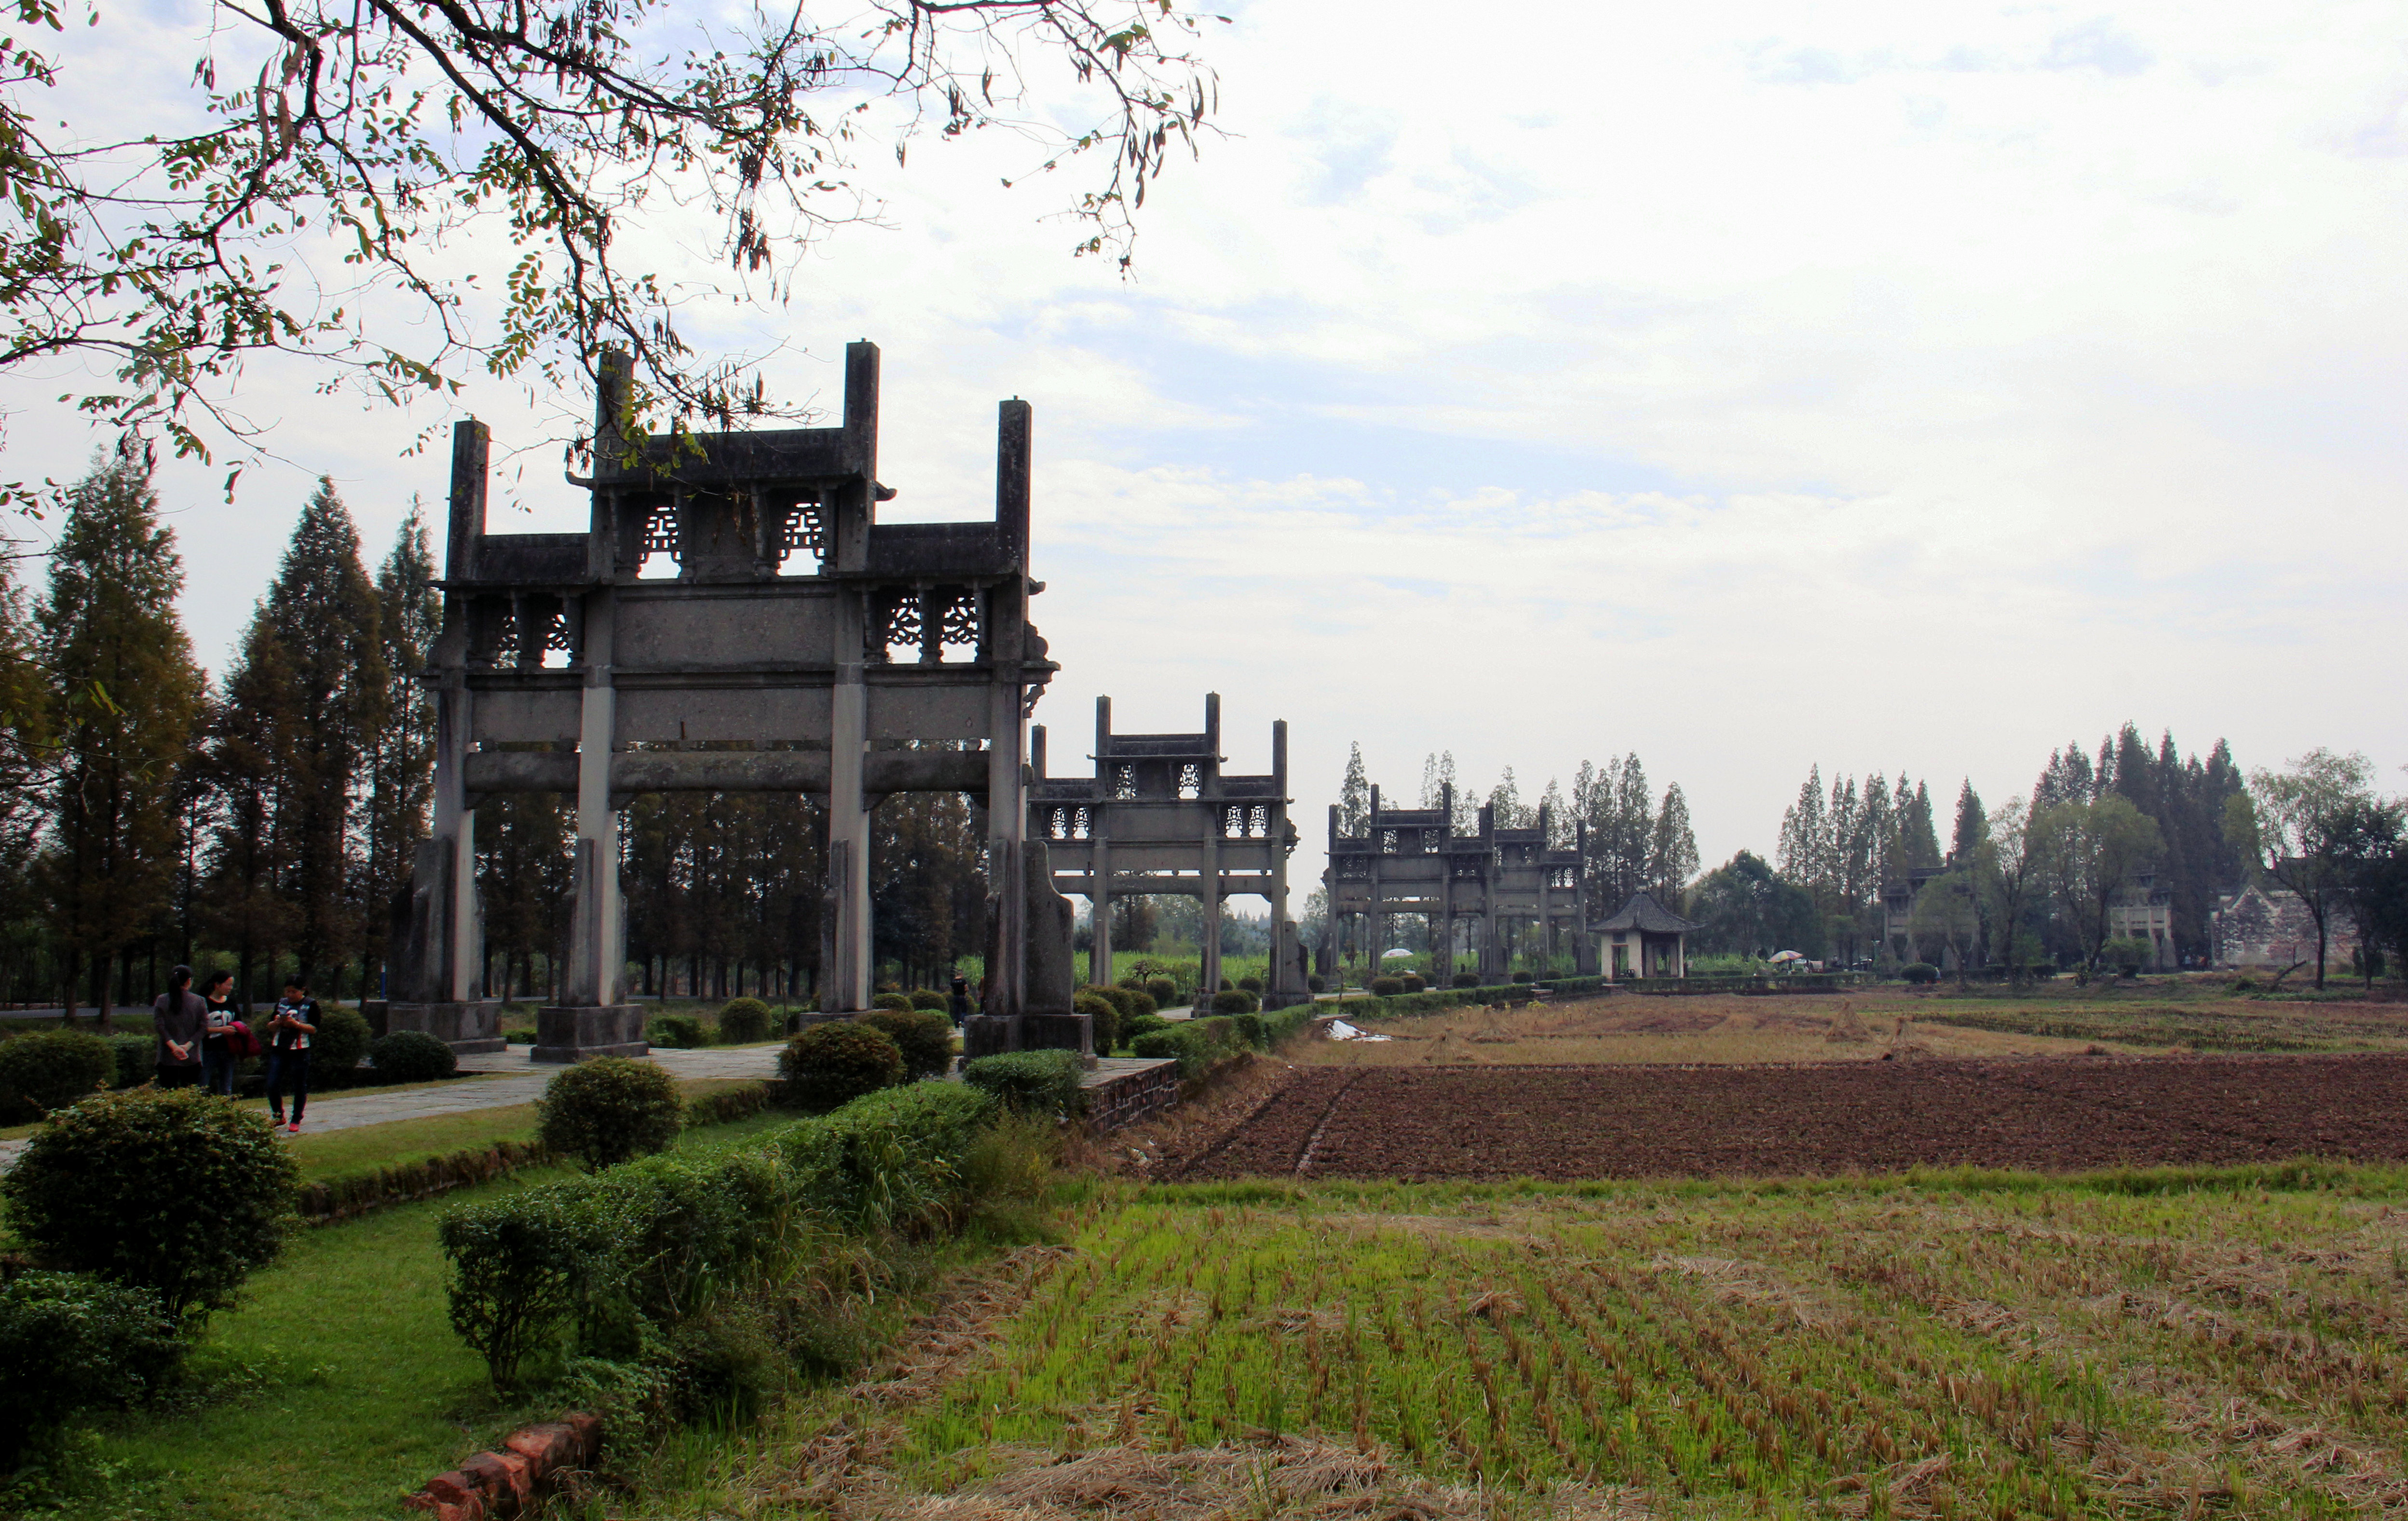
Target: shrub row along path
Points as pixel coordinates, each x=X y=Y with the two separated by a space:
x=2060 y=1115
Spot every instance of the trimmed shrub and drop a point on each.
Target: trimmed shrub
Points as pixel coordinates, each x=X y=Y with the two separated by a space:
x=610 y=1111
x=1224 y=986
x=930 y=1000
x=837 y=1061
x=678 y=1032
x=1413 y=982
x=1235 y=1002
x=1199 y=1045
x=1143 y=1025
x=412 y=1057
x=1386 y=987
x=1251 y=1030
x=52 y=1068
x=1518 y=977
x=1316 y=983
x=342 y=1039
x=1139 y=1005
x=1250 y=985
x=70 y=1343
x=1164 y=991
x=518 y=1038
x=743 y=1022
x=1029 y=1082
x=1919 y=971
x=924 y=1037
x=1464 y=978
x=1102 y=1013
x=176 y=1191
x=137 y=1060
x=891 y=1160
x=890 y=1000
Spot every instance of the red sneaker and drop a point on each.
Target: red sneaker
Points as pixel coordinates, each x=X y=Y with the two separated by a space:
x=294 y=1130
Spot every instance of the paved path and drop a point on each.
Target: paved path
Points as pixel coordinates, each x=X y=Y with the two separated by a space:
x=519 y=1081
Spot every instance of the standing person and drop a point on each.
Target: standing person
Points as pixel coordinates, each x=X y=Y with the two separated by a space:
x=288 y=1030
x=959 y=1006
x=179 y=1017
x=218 y=1058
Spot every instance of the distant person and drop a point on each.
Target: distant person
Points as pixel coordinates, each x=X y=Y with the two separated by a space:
x=179 y=1018
x=959 y=1006
x=289 y=1032
x=219 y=1057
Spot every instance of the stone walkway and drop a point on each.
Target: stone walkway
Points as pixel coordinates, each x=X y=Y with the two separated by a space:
x=519 y=1081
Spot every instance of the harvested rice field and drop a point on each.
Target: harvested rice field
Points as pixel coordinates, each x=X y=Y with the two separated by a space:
x=2207 y=1343
x=1495 y=1123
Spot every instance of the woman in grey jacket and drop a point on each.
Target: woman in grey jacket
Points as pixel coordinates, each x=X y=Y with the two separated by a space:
x=180 y=1019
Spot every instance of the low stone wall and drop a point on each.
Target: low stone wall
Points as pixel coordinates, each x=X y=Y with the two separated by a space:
x=514 y=1481
x=1120 y=1098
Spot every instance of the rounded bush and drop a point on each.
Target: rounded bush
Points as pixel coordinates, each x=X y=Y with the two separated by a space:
x=177 y=1191
x=1235 y=1002
x=70 y=1343
x=412 y=1057
x=1250 y=985
x=678 y=1032
x=52 y=1068
x=1919 y=971
x=1029 y=1082
x=1164 y=990
x=1316 y=983
x=342 y=1039
x=1103 y=1016
x=1138 y=1005
x=1226 y=988
x=137 y=1059
x=838 y=1060
x=930 y=999
x=923 y=1035
x=1386 y=987
x=610 y=1111
x=1521 y=977
x=1251 y=1030
x=1413 y=982
x=1142 y=1026
x=1464 y=978
x=890 y=1000
x=743 y=1022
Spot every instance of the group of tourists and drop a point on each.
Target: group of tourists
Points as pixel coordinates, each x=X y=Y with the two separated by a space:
x=204 y=1037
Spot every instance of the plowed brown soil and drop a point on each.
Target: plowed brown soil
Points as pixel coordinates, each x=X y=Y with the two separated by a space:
x=1808 y=1119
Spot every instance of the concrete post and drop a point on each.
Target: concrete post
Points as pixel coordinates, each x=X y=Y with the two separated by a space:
x=596 y=955
x=1208 y=977
x=1099 y=851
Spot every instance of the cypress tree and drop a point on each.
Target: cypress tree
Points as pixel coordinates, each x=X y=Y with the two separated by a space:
x=238 y=904
x=323 y=609
x=399 y=758
x=123 y=697
x=1673 y=851
x=1973 y=824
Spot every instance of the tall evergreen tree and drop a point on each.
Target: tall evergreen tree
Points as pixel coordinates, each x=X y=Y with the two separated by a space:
x=1505 y=809
x=1973 y=824
x=323 y=609
x=1673 y=852
x=1917 y=830
x=1634 y=828
x=124 y=696
x=1354 y=795
x=399 y=756
x=238 y=904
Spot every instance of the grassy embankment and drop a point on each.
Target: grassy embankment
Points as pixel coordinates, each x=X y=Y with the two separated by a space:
x=2168 y=1343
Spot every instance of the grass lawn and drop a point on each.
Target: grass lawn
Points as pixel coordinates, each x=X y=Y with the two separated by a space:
x=347 y=1386
x=2200 y=1343
x=328 y=1154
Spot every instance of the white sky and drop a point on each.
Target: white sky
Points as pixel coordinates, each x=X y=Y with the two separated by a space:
x=1887 y=386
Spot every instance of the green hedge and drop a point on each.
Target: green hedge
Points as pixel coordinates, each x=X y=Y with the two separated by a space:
x=1030 y=1082
x=658 y=1263
x=1200 y=1045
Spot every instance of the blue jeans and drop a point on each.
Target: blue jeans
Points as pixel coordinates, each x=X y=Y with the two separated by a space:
x=217 y=1066
x=288 y=1069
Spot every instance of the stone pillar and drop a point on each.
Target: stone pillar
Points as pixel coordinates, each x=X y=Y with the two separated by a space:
x=592 y=1021
x=1099 y=877
x=847 y=852
x=1208 y=976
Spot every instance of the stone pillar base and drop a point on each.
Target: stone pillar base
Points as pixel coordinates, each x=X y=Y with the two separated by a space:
x=467 y=1028
x=1059 y=1032
x=989 y=1035
x=574 y=1033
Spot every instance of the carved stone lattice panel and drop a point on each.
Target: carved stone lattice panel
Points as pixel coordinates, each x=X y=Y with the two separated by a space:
x=660 y=533
x=1258 y=821
x=896 y=622
x=802 y=528
x=957 y=625
x=492 y=632
x=1388 y=843
x=1563 y=876
x=1124 y=782
x=1082 y=824
x=1353 y=868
